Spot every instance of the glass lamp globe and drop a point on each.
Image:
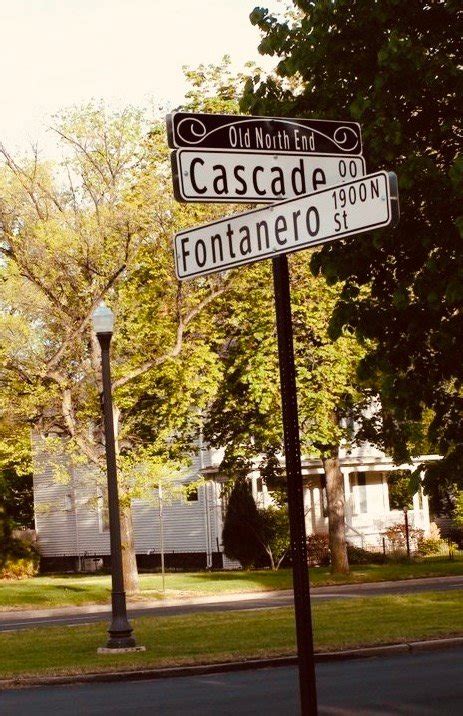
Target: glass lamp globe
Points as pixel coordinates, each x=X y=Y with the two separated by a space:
x=103 y=319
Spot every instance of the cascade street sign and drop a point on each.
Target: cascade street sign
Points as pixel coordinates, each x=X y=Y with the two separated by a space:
x=291 y=225
x=278 y=134
x=265 y=177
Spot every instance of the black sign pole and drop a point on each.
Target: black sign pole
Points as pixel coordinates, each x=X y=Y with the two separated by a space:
x=307 y=684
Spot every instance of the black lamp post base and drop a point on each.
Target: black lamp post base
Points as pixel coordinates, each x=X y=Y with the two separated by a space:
x=120 y=641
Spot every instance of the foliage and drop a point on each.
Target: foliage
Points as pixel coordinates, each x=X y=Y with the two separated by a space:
x=455 y=535
x=392 y=66
x=241 y=529
x=458 y=515
x=401 y=489
x=18 y=558
x=428 y=546
x=357 y=555
x=98 y=225
x=16 y=498
x=397 y=537
x=274 y=533
x=318 y=549
x=14 y=567
x=245 y=415
x=215 y=88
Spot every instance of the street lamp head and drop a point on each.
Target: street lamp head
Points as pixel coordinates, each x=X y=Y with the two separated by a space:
x=103 y=319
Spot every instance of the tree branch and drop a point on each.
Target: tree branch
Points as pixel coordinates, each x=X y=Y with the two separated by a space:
x=52 y=362
x=175 y=350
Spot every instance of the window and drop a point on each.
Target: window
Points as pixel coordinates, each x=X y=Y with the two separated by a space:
x=259 y=484
x=103 y=510
x=362 y=492
x=68 y=502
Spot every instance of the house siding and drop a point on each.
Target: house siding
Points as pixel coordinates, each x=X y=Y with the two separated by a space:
x=68 y=522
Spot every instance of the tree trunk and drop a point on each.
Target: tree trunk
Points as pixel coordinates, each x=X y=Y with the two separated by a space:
x=129 y=562
x=336 y=512
x=270 y=556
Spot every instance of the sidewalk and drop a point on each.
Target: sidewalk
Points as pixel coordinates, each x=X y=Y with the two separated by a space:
x=141 y=605
x=327 y=592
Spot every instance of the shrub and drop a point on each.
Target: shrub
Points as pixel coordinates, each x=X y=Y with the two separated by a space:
x=397 y=538
x=455 y=534
x=318 y=549
x=434 y=544
x=18 y=558
x=274 y=534
x=357 y=555
x=19 y=567
x=428 y=546
x=241 y=530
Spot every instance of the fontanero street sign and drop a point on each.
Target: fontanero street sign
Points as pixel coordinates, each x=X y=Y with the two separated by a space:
x=277 y=134
x=208 y=175
x=351 y=208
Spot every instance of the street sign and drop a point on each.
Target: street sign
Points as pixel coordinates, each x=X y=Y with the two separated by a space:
x=277 y=134
x=351 y=208
x=208 y=175
x=264 y=159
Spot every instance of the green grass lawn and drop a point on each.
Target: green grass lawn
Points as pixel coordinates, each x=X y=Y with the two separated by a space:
x=66 y=590
x=207 y=638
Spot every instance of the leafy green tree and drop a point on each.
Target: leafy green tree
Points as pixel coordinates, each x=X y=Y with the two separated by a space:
x=245 y=417
x=99 y=226
x=274 y=534
x=393 y=67
x=242 y=528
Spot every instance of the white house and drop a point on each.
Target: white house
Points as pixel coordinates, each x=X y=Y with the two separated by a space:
x=72 y=526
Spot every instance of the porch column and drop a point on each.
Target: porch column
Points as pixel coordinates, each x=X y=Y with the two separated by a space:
x=386 y=505
x=347 y=495
x=308 y=510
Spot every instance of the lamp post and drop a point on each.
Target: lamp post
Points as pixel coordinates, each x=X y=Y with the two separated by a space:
x=120 y=631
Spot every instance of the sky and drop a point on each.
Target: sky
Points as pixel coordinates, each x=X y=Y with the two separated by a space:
x=59 y=53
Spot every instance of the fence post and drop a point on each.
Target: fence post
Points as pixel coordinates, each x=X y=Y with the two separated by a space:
x=407 y=532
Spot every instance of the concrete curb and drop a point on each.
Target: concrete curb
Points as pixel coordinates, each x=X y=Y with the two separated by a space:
x=202 y=669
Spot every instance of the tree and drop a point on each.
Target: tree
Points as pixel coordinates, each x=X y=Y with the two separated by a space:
x=392 y=66
x=242 y=530
x=245 y=416
x=274 y=534
x=99 y=226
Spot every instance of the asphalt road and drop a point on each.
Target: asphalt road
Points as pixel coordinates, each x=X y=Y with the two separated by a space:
x=17 y=620
x=426 y=684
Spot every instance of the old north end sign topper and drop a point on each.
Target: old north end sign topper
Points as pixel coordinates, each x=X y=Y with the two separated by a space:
x=278 y=134
x=339 y=211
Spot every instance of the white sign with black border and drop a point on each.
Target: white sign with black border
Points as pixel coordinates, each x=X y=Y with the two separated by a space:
x=339 y=211
x=221 y=176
